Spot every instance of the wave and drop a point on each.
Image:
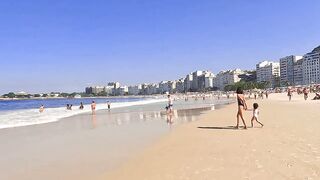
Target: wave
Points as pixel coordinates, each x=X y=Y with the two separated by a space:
x=27 y=117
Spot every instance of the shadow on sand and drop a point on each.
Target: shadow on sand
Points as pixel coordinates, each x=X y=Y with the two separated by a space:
x=226 y=128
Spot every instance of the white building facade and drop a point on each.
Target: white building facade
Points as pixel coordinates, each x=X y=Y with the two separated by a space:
x=268 y=71
x=134 y=90
x=287 y=69
x=225 y=78
x=311 y=67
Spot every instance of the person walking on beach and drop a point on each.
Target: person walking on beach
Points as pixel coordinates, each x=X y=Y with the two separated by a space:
x=255 y=115
x=267 y=94
x=261 y=94
x=93 y=107
x=289 y=94
x=305 y=93
x=242 y=105
x=41 y=109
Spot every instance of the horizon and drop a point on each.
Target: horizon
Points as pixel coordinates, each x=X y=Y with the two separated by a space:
x=66 y=46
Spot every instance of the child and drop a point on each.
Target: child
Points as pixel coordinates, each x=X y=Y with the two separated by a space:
x=255 y=114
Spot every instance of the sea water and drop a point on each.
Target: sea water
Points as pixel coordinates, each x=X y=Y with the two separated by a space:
x=15 y=113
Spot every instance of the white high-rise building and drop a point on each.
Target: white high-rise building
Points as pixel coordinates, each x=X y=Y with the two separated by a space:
x=225 y=78
x=108 y=89
x=205 y=81
x=297 y=72
x=164 y=87
x=195 y=81
x=97 y=89
x=180 y=85
x=311 y=67
x=151 y=89
x=188 y=82
x=123 y=90
x=268 y=72
x=134 y=90
x=287 y=69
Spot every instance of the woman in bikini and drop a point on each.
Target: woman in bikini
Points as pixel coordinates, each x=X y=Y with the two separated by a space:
x=242 y=106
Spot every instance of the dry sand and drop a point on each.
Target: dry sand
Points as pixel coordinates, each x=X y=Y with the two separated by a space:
x=288 y=147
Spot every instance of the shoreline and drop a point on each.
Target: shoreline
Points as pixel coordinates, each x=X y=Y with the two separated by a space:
x=288 y=147
x=84 y=143
x=94 y=97
x=50 y=114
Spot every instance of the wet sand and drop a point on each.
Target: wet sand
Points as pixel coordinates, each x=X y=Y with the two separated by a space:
x=84 y=146
x=288 y=147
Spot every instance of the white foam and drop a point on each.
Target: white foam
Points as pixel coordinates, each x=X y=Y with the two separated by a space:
x=17 y=118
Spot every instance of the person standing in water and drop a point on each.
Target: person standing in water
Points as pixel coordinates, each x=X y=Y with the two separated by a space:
x=242 y=106
x=81 y=106
x=109 y=105
x=170 y=104
x=41 y=109
x=93 y=107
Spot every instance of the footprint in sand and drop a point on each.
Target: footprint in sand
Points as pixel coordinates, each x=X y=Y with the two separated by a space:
x=289 y=165
x=258 y=165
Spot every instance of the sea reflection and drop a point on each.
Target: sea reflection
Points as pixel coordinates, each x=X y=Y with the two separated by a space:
x=179 y=116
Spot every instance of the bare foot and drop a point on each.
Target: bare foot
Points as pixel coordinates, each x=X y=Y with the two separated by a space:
x=245 y=127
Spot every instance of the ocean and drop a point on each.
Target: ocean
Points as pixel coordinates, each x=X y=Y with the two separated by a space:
x=15 y=113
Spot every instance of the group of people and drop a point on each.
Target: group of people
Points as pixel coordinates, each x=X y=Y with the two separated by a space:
x=242 y=106
x=94 y=106
x=81 y=107
x=260 y=95
x=305 y=93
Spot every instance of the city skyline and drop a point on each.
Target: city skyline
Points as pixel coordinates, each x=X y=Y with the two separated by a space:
x=56 y=47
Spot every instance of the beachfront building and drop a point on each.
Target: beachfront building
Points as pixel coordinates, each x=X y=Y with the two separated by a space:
x=88 y=90
x=108 y=90
x=205 y=81
x=297 y=73
x=164 y=87
x=134 y=90
x=248 y=76
x=225 y=78
x=180 y=85
x=122 y=91
x=268 y=72
x=172 y=86
x=115 y=85
x=151 y=89
x=287 y=69
x=208 y=79
x=97 y=89
x=311 y=67
x=195 y=80
x=188 y=82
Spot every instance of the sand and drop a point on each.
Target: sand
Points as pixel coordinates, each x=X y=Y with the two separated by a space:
x=288 y=147
x=83 y=147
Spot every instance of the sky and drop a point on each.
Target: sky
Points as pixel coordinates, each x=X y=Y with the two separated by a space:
x=66 y=45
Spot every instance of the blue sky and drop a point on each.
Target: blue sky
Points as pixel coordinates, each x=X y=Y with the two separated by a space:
x=66 y=45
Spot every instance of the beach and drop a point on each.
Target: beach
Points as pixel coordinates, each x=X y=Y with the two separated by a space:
x=287 y=147
x=86 y=146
